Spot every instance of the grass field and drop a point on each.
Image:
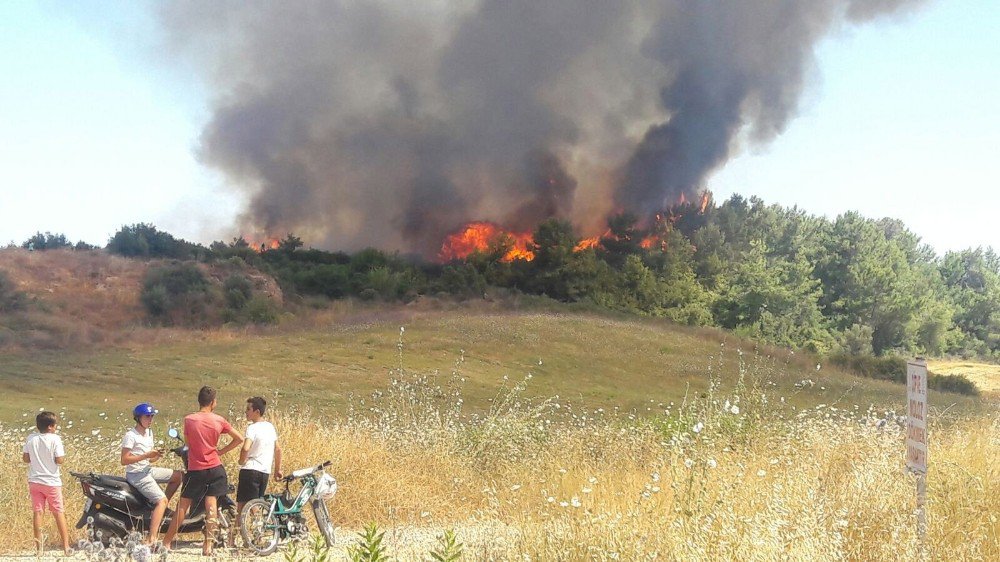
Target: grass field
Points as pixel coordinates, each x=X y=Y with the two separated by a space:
x=586 y=360
x=546 y=435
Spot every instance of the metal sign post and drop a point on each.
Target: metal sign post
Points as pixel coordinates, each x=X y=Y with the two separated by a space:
x=916 y=435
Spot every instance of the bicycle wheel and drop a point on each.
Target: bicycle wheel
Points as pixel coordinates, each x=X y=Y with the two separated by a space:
x=323 y=521
x=259 y=530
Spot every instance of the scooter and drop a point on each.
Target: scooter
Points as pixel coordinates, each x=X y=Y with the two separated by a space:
x=114 y=508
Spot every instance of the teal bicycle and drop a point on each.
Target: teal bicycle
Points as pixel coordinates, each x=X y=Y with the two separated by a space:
x=265 y=522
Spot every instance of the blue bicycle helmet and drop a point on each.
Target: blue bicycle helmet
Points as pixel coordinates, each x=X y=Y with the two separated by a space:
x=144 y=409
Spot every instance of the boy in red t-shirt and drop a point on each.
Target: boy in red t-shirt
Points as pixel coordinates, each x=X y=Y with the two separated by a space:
x=205 y=477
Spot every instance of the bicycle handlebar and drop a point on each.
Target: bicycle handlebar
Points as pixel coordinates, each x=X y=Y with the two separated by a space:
x=306 y=471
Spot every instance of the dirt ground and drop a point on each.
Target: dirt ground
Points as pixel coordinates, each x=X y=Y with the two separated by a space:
x=403 y=544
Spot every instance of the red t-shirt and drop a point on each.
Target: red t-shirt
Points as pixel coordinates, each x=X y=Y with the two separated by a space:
x=202 y=431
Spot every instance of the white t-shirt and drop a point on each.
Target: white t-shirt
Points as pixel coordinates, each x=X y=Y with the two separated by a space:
x=260 y=457
x=43 y=449
x=138 y=444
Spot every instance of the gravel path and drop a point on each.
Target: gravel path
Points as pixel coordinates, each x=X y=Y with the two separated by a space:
x=404 y=543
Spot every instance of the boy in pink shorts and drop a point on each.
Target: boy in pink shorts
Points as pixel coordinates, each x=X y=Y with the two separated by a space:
x=43 y=451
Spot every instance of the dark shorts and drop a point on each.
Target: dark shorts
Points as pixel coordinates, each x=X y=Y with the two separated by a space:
x=208 y=482
x=253 y=485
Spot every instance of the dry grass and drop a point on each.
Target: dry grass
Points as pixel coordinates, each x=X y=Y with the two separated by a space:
x=76 y=298
x=733 y=473
x=986 y=376
x=93 y=287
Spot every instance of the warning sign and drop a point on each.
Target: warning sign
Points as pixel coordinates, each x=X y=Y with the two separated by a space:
x=916 y=416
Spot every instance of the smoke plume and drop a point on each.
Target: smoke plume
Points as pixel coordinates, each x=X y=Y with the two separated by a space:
x=391 y=124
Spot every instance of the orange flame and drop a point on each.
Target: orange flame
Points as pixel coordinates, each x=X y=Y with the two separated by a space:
x=587 y=243
x=264 y=245
x=478 y=236
x=704 y=202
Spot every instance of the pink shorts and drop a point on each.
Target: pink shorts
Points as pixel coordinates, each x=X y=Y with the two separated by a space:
x=40 y=494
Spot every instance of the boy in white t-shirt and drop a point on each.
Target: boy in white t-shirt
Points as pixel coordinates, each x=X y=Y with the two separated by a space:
x=136 y=453
x=43 y=451
x=260 y=451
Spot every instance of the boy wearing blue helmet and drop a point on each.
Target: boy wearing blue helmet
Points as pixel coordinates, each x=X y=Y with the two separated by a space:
x=137 y=452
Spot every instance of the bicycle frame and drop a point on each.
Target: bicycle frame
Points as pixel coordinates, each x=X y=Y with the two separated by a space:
x=278 y=507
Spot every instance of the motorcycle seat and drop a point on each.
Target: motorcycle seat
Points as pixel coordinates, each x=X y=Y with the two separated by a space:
x=119 y=483
x=116 y=482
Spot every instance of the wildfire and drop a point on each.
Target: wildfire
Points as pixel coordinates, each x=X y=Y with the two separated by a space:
x=649 y=241
x=479 y=236
x=261 y=246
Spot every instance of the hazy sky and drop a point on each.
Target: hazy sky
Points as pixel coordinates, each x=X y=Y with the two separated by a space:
x=899 y=119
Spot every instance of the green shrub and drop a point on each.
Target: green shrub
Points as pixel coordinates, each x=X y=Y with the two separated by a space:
x=10 y=298
x=47 y=241
x=958 y=384
x=880 y=368
x=145 y=241
x=261 y=310
x=238 y=291
x=894 y=369
x=329 y=280
x=179 y=294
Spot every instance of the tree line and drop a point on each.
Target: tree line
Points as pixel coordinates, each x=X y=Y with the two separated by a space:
x=851 y=285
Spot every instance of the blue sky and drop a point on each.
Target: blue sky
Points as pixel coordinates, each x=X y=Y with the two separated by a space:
x=899 y=120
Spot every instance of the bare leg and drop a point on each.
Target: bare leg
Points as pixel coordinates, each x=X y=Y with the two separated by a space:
x=174 y=483
x=36 y=526
x=155 y=519
x=63 y=533
x=175 y=523
x=236 y=524
x=211 y=521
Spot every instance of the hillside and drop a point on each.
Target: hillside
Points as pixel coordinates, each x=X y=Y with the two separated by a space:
x=85 y=310
x=586 y=360
x=79 y=299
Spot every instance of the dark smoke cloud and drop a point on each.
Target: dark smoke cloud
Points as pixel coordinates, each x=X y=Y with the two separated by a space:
x=393 y=123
